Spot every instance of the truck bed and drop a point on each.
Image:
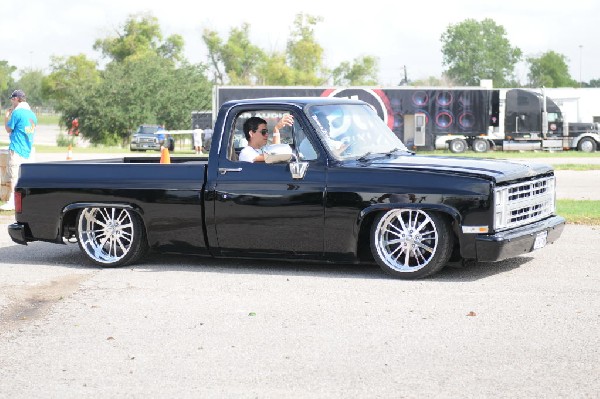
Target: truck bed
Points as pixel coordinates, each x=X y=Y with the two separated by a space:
x=54 y=191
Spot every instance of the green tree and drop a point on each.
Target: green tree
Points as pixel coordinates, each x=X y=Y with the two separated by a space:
x=136 y=91
x=592 y=83
x=475 y=50
x=31 y=83
x=363 y=72
x=274 y=71
x=304 y=53
x=241 y=57
x=237 y=61
x=237 y=58
x=7 y=83
x=214 y=46
x=69 y=75
x=140 y=36
x=550 y=70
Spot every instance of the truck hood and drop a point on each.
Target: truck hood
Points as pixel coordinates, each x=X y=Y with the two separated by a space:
x=491 y=169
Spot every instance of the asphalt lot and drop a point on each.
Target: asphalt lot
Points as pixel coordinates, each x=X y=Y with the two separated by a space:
x=188 y=327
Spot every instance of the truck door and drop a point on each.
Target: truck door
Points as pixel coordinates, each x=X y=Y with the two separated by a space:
x=259 y=208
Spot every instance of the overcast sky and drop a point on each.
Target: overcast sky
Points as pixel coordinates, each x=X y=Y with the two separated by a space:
x=398 y=33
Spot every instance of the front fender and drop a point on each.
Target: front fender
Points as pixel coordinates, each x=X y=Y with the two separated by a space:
x=452 y=212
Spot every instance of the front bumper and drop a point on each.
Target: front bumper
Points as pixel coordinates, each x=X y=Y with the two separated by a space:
x=518 y=241
x=144 y=146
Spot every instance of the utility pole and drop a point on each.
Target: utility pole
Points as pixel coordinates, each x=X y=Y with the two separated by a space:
x=580 y=60
x=404 y=81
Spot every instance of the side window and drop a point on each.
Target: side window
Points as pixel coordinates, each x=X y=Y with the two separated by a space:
x=237 y=138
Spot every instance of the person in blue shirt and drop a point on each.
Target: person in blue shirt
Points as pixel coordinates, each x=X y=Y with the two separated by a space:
x=20 y=123
x=160 y=135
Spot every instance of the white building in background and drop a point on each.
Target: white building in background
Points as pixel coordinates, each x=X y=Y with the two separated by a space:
x=577 y=104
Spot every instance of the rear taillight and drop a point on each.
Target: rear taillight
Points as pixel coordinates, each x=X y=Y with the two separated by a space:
x=18 y=201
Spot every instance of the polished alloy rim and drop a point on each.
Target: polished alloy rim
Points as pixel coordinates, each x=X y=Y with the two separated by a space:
x=406 y=240
x=106 y=234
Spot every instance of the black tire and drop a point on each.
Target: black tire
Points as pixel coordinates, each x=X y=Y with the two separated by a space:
x=411 y=243
x=111 y=237
x=481 y=145
x=587 y=144
x=458 y=146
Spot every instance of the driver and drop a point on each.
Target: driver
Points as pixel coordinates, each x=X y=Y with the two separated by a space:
x=257 y=134
x=337 y=147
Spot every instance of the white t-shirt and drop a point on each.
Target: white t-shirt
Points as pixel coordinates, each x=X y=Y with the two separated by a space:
x=248 y=154
x=198 y=137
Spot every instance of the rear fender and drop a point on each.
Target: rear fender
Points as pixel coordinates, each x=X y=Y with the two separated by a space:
x=68 y=216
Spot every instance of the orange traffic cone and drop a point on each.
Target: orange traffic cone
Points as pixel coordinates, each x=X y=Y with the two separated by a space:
x=164 y=155
x=70 y=153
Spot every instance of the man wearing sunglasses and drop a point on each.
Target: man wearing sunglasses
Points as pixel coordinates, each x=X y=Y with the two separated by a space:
x=257 y=134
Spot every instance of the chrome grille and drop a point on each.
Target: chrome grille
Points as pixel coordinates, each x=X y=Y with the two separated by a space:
x=523 y=203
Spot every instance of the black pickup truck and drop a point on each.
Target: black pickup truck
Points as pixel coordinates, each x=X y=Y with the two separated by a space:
x=340 y=187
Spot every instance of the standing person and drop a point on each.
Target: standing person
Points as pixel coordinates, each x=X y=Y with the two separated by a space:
x=160 y=135
x=19 y=122
x=257 y=134
x=197 y=132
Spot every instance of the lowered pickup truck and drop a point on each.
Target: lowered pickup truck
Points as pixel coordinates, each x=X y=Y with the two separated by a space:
x=373 y=201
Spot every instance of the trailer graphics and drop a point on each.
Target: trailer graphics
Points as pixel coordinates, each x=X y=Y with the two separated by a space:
x=452 y=118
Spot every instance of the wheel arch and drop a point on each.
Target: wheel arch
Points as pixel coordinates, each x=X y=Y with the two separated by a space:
x=68 y=215
x=592 y=136
x=368 y=215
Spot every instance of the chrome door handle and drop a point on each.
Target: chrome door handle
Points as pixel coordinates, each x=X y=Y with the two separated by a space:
x=225 y=170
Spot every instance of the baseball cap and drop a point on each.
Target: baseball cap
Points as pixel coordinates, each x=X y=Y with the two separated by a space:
x=18 y=94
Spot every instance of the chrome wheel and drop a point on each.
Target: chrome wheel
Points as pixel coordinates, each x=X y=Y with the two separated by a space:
x=110 y=236
x=411 y=243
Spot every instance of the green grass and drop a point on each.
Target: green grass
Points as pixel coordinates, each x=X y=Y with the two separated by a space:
x=46 y=119
x=516 y=154
x=575 y=166
x=579 y=211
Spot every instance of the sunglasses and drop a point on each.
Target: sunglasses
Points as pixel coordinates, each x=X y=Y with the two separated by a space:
x=264 y=132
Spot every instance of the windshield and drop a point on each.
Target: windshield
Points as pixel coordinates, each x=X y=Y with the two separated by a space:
x=554 y=117
x=146 y=129
x=353 y=130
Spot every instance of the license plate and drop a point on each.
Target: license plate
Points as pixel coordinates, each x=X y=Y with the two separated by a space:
x=540 y=240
